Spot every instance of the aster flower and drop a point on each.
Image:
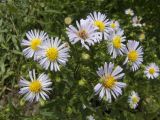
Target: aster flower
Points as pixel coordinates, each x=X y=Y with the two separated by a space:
x=136 y=21
x=36 y=88
x=52 y=53
x=114 y=25
x=100 y=21
x=34 y=39
x=152 y=71
x=115 y=44
x=109 y=85
x=85 y=32
x=134 y=54
x=133 y=100
x=129 y=12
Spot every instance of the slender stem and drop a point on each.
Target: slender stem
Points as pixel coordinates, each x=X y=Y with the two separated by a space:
x=14 y=27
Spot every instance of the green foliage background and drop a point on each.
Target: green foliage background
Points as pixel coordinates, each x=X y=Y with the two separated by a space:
x=73 y=85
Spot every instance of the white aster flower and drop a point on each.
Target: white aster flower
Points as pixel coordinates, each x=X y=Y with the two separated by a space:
x=36 y=88
x=86 y=33
x=100 y=21
x=134 y=54
x=114 y=25
x=90 y=117
x=129 y=12
x=152 y=71
x=136 y=21
x=115 y=44
x=52 y=53
x=34 y=39
x=133 y=100
x=109 y=85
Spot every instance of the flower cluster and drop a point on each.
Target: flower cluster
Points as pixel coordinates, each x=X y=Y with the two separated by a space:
x=50 y=53
x=96 y=27
x=136 y=20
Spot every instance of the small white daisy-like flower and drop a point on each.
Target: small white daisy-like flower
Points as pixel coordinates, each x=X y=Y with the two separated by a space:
x=129 y=12
x=34 y=39
x=35 y=89
x=115 y=44
x=100 y=21
x=114 y=25
x=86 y=33
x=134 y=54
x=136 y=21
x=133 y=100
x=109 y=85
x=152 y=71
x=52 y=53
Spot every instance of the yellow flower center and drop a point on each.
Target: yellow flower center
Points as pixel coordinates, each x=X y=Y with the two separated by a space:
x=117 y=42
x=83 y=34
x=151 y=70
x=100 y=25
x=112 y=25
x=133 y=55
x=52 y=54
x=35 y=86
x=35 y=43
x=109 y=81
x=135 y=99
